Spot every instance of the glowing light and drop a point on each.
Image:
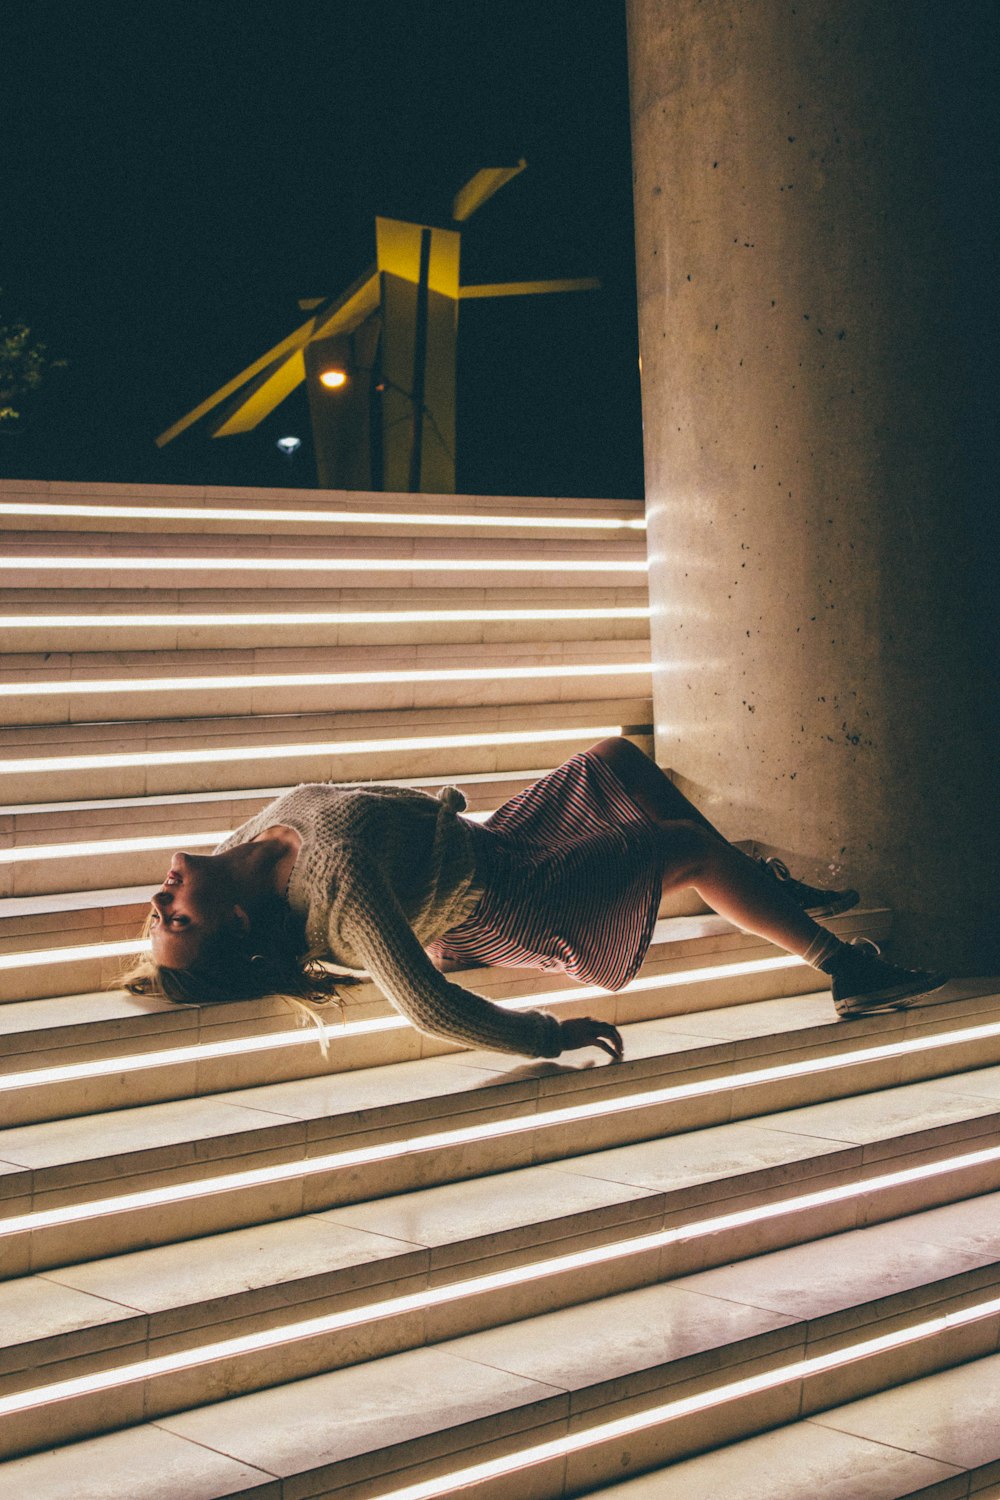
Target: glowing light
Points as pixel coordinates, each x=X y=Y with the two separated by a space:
x=224 y=563
x=139 y=845
x=318 y=679
x=492 y=1130
x=54 y=763
x=329 y=517
x=341 y=1030
x=143 y=844
x=620 y=1427
x=479 y=1286
x=77 y=954
x=289 y=445
x=333 y=379
x=317 y=617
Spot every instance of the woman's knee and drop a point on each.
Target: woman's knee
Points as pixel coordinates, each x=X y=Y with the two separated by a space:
x=620 y=753
x=688 y=850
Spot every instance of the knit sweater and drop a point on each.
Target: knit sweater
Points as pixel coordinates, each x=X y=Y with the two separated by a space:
x=383 y=871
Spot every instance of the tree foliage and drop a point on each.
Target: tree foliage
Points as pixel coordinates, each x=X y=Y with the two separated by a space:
x=23 y=365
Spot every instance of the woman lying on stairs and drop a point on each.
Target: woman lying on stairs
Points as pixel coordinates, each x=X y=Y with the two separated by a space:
x=566 y=877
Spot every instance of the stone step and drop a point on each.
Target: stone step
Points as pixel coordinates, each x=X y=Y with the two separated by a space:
x=41 y=519
x=95 y=1051
x=207 y=684
x=724 y=1351
x=932 y=1438
x=41 y=763
x=105 y=1183
x=546 y=1231
x=22 y=497
x=81 y=620
x=46 y=847
x=54 y=561
x=935 y=1438
x=81 y=940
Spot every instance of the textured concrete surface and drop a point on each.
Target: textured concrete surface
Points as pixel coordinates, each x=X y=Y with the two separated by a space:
x=812 y=565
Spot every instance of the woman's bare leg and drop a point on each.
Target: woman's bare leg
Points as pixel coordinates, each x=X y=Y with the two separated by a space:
x=735 y=886
x=648 y=785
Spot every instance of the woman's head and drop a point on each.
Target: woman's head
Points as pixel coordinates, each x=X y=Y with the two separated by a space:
x=212 y=940
x=195 y=912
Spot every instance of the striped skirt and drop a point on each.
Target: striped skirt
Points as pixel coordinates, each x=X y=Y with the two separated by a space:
x=572 y=870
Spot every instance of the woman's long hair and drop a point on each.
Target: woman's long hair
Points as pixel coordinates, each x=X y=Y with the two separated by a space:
x=270 y=957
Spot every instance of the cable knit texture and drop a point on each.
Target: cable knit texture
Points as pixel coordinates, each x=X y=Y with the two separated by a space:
x=382 y=872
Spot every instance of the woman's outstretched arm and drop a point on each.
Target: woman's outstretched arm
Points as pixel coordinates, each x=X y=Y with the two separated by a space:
x=372 y=925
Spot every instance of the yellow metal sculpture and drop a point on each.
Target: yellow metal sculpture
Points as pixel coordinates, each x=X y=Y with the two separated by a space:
x=379 y=360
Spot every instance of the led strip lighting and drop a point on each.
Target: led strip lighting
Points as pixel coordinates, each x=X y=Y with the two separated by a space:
x=339 y=1031
x=116 y=563
x=141 y=844
x=477 y=1286
x=684 y=1406
x=491 y=1130
x=500 y=671
x=29 y=853
x=322 y=517
x=53 y=763
x=320 y=617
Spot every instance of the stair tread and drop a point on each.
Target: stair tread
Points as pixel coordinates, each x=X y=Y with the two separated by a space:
x=742 y=1127
x=890 y=1446
x=49 y=669
x=457 y=1224
x=535 y=1374
x=225 y=1131
x=98 y=491
x=884 y=1447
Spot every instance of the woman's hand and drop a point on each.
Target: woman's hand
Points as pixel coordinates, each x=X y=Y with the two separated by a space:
x=586 y=1032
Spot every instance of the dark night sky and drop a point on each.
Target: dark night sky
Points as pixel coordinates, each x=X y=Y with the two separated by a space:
x=177 y=175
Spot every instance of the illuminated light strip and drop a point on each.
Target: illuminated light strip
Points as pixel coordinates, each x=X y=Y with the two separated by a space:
x=684 y=1406
x=323 y=617
x=475 y=1134
x=26 y=853
x=78 y=954
x=505 y=673
x=335 y=517
x=29 y=853
x=317 y=564
x=476 y=1286
x=45 y=763
x=339 y=1031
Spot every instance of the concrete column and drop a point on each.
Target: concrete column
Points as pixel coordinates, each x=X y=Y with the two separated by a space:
x=818 y=647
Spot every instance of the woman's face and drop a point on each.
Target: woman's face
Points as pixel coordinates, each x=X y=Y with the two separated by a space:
x=195 y=900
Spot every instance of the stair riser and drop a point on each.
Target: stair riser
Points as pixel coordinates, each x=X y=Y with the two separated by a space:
x=68 y=822
x=267 y=634
x=309 y=573
x=351 y=697
x=113 y=1232
x=254 y=539
x=103 y=492
x=308 y=764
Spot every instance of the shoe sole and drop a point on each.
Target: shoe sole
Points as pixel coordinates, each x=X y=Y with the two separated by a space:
x=896 y=998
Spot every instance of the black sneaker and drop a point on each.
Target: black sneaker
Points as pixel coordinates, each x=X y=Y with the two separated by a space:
x=810 y=898
x=865 y=984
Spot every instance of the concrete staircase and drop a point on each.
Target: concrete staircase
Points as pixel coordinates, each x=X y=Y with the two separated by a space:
x=764 y=1252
